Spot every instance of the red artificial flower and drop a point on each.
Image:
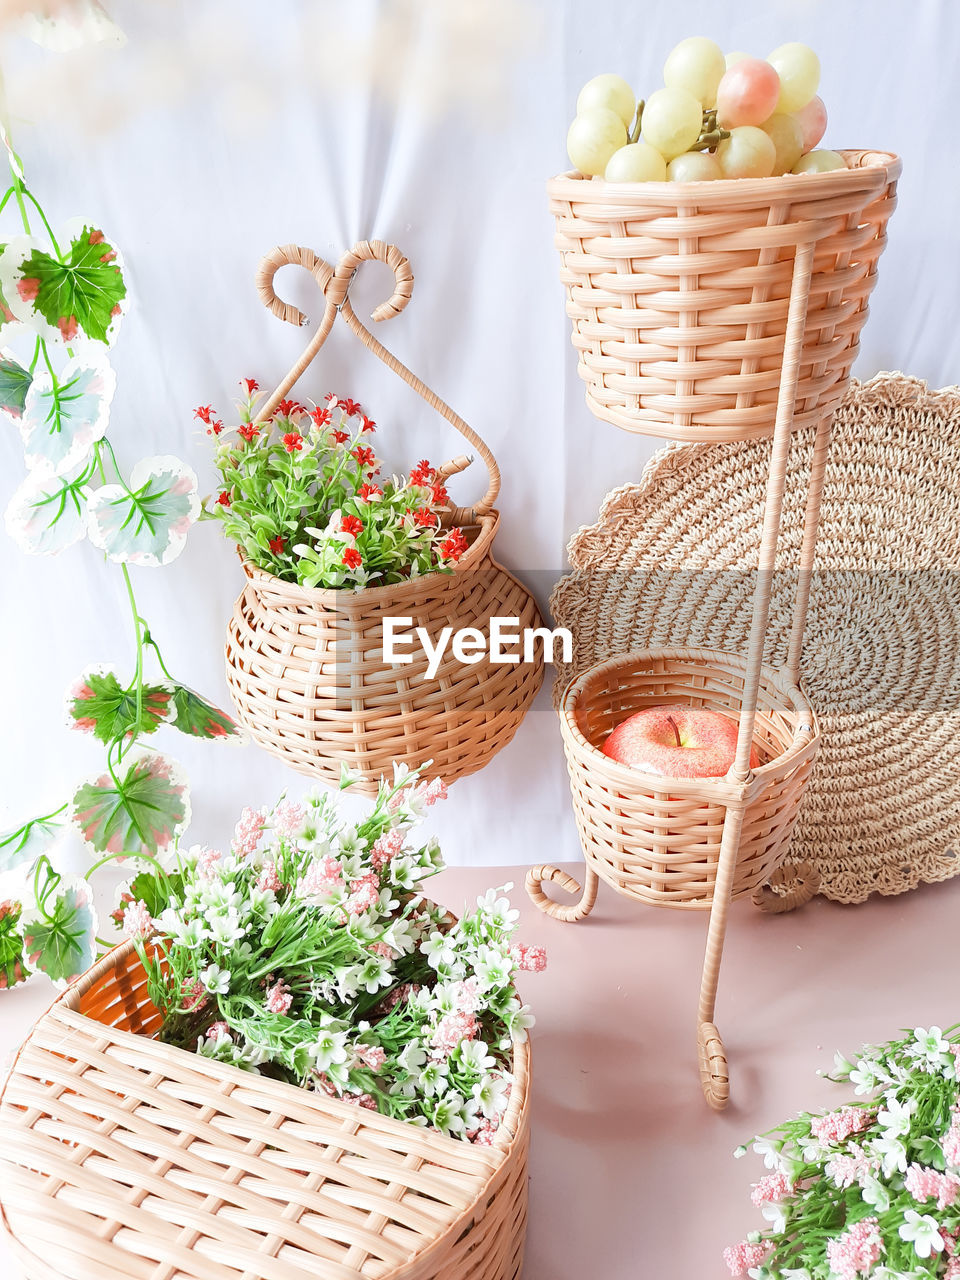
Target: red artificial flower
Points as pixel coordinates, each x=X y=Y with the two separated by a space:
x=422 y=473
x=352 y=558
x=455 y=545
x=329 y=396
x=352 y=525
x=350 y=407
x=224 y=498
x=322 y=416
x=204 y=412
x=251 y=384
x=426 y=519
x=249 y=431
x=368 y=424
x=293 y=441
x=367 y=492
x=440 y=495
x=287 y=407
x=365 y=457
x=276 y=545
x=340 y=437
x=215 y=428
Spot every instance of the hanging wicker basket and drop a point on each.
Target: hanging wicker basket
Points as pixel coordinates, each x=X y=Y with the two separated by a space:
x=306 y=667
x=127 y=1159
x=662 y=846
x=679 y=293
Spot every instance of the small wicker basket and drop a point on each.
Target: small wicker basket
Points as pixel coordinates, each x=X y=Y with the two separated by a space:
x=663 y=847
x=306 y=667
x=127 y=1159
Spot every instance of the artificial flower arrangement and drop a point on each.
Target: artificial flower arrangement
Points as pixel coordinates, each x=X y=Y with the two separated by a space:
x=308 y=953
x=871 y=1189
x=300 y=494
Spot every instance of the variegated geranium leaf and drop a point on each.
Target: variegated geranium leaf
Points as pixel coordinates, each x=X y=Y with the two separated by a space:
x=60 y=422
x=147 y=522
x=140 y=813
x=13 y=969
x=17 y=296
x=77 y=297
x=199 y=718
x=60 y=932
x=98 y=703
x=15 y=382
x=22 y=847
x=48 y=512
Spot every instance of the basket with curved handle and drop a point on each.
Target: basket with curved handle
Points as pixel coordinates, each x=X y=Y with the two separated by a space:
x=335 y=284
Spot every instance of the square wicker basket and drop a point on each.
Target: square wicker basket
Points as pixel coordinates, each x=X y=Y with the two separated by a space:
x=127 y=1159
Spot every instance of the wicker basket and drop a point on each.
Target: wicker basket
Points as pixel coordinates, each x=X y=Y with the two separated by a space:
x=305 y=667
x=679 y=292
x=662 y=848
x=127 y=1159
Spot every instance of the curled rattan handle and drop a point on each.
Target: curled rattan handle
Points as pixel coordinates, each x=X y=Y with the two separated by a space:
x=574 y=911
x=373 y=251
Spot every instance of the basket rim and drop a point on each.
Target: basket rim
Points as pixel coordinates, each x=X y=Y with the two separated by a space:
x=872 y=168
x=331 y=596
x=722 y=788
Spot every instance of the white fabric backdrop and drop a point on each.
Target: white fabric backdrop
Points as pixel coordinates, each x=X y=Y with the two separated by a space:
x=219 y=131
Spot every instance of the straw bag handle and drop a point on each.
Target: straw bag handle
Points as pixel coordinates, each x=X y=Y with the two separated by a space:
x=334 y=284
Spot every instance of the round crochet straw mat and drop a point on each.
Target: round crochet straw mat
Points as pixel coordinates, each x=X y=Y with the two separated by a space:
x=669 y=562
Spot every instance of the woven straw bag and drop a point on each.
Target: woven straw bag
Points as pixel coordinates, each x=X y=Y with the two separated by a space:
x=127 y=1159
x=305 y=667
x=667 y=563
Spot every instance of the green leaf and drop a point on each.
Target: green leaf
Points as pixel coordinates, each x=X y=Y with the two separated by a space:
x=147 y=521
x=195 y=716
x=13 y=969
x=14 y=381
x=85 y=291
x=62 y=420
x=154 y=893
x=97 y=703
x=60 y=935
x=24 y=845
x=140 y=813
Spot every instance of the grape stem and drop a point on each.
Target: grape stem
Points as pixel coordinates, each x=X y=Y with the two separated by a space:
x=707 y=141
x=637 y=119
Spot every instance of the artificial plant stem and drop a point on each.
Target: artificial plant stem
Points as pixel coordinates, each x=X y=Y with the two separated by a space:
x=43 y=217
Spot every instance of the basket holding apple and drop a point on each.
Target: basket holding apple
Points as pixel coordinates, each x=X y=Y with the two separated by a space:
x=716 y=116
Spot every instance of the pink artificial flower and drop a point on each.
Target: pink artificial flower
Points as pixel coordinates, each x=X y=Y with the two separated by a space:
x=929 y=1184
x=837 y=1126
x=951 y=1142
x=386 y=847
x=247 y=832
x=207 y=863
x=279 y=998
x=364 y=894
x=365 y=1100
x=857 y=1250
x=771 y=1189
x=484 y=1133
x=137 y=921
x=372 y=1056
x=192 y=996
x=323 y=879
x=529 y=959
x=288 y=818
x=268 y=879
x=218 y=1031
x=845 y=1170
x=428 y=793
x=466 y=995
x=741 y=1257
x=452 y=1030
x=382 y=949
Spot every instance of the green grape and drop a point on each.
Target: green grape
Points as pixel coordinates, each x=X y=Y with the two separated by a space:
x=799 y=70
x=696 y=65
x=747 y=153
x=636 y=162
x=593 y=138
x=671 y=123
x=736 y=56
x=787 y=137
x=819 y=162
x=610 y=91
x=694 y=166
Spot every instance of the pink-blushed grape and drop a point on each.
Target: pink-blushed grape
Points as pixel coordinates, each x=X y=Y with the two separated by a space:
x=787 y=137
x=747 y=94
x=610 y=91
x=671 y=123
x=693 y=166
x=696 y=65
x=747 y=153
x=737 y=55
x=820 y=162
x=799 y=70
x=593 y=138
x=813 y=122
x=636 y=162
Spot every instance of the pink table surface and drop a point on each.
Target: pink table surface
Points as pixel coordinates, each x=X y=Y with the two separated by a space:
x=630 y=1173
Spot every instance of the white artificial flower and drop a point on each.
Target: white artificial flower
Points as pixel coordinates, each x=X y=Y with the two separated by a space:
x=873 y=1192
x=346 y=981
x=225 y=928
x=921 y=1229
x=490 y=1094
x=865 y=1076
x=520 y=1022
x=895 y=1117
x=776 y=1215
x=930 y=1047
x=892 y=1152
x=185 y=933
x=404 y=873
x=475 y=1056
x=411 y=1057
x=438 y=950
x=448 y=1114
x=329 y=1049
x=263 y=901
x=433 y=1078
x=388 y=903
x=810 y=1148
x=215 y=979
x=498 y=912
x=400 y=937
x=375 y=973
x=842 y=1066
x=769 y=1150
x=493 y=968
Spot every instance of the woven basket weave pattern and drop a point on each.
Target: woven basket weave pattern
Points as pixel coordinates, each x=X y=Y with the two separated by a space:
x=679 y=297
x=126 y=1159
x=662 y=847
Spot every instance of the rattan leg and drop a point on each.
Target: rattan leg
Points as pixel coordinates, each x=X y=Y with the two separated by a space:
x=578 y=910
x=714 y=1077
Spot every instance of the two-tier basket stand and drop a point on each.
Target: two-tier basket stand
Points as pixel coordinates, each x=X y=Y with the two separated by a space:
x=712 y=312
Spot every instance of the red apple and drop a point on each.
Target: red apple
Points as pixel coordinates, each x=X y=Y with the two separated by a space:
x=677 y=742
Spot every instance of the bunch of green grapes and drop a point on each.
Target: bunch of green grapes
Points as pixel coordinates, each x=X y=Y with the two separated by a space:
x=717 y=116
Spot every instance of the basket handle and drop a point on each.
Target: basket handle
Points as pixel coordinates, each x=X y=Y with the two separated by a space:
x=335 y=283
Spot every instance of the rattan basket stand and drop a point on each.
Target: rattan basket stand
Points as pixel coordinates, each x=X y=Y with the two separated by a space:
x=618 y=809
